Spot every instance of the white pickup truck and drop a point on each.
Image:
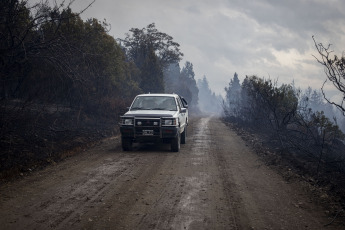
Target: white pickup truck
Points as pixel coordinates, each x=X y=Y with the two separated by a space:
x=154 y=118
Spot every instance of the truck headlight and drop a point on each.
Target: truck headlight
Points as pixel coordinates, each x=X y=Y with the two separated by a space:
x=127 y=121
x=169 y=121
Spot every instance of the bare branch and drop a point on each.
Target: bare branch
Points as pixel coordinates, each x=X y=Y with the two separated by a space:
x=334 y=70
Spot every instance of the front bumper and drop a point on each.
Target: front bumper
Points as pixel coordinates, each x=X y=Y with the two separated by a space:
x=144 y=134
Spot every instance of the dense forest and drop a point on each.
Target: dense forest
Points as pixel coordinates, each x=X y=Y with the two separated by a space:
x=65 y=81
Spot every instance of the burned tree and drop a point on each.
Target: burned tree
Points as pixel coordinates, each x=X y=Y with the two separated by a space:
x=152 y=52
x=335 y=72
x=31 y=33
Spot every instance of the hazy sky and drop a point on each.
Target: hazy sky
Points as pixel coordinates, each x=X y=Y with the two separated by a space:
x=267 y=38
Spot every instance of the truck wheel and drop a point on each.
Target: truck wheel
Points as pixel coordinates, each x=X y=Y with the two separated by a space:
x=175 y=144
x=183 y=136
x=126 y=144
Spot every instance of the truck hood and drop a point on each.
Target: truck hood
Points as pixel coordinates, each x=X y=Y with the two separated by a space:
x=150 y=113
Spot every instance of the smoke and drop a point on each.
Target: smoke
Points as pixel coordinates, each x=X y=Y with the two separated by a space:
x=209 y=102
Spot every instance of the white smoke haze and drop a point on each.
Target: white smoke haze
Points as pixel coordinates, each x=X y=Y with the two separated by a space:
x=220 y=37
x=209 y=102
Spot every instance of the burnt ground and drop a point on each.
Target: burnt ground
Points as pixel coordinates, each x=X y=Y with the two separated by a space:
x=217 y=181
x=325 y=184
x=36 y=136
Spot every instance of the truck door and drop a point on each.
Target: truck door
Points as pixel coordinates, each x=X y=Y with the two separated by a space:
x=182 y=116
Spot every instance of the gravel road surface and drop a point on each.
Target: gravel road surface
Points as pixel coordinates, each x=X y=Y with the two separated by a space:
x=215 y=182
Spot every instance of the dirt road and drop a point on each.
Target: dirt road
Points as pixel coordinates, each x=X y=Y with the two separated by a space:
x=215 y=182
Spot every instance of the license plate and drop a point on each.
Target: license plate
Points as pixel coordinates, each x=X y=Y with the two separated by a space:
x=147 y=132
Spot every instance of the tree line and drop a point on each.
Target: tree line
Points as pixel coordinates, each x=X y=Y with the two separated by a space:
x=61 y=76
x=298 y=121
x=49 y=54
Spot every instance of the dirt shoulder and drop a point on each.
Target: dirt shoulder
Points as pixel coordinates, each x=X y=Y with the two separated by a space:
x=215 y=182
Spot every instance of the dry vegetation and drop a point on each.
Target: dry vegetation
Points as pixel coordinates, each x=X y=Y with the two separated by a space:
x=326 y=188
x=37 y=135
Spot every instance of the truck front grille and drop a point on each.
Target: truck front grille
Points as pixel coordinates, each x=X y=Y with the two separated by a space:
x=144 y=126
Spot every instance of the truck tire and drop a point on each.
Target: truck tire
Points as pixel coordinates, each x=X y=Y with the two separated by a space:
x=184 y=135
x=126 y=144
x=176 y=143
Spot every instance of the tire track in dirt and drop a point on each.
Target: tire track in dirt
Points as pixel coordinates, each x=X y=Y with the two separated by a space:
x=89 y=193
x=189 y=214
x=203 y=204
x=64 y=198
x=130 y=199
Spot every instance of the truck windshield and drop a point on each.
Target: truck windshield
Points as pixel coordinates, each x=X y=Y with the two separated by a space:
x=154 y=103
